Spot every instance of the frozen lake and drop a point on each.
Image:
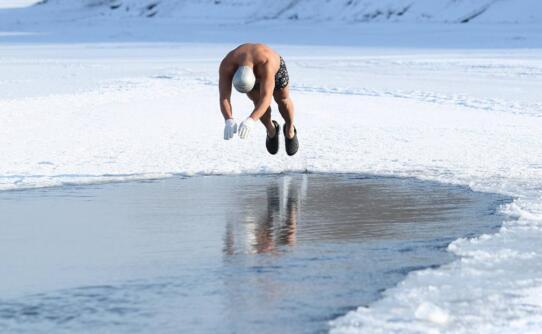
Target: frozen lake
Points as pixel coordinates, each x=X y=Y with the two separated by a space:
x=114 y=98
x=222 y=254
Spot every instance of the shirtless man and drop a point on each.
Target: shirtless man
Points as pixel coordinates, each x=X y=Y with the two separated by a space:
x=259 y=72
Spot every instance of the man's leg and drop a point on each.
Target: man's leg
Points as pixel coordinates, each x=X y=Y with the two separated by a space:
x=286 y=109
x=266 y=118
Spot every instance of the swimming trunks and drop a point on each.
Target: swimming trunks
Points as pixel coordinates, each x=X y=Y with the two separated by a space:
x=281 y=78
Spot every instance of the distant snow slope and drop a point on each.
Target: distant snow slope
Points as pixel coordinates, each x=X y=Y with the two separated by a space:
x=455 y=11
x=16 y=3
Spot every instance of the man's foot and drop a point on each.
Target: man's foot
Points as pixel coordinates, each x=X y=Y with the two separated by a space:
x=292 y=144
x=272 y=144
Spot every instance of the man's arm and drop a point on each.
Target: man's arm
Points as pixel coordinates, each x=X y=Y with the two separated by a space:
x=224 y=87
x=267 y=85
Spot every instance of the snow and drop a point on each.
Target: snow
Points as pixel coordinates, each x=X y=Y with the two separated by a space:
x=457 y=11
x=99 y=101
x=16 y=3
x=429 y=312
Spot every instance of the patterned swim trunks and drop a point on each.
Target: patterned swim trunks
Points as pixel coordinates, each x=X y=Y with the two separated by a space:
x=281 y=78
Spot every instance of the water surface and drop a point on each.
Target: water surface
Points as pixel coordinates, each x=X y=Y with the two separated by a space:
x=222 y=254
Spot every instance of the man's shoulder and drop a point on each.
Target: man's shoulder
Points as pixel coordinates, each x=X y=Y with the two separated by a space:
x=271 y=60
x=227 y=64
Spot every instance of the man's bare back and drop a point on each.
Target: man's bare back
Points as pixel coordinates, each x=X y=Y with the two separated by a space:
x=260 y=72
x=260 y=57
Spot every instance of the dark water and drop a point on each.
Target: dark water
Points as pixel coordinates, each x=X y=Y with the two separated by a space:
x=222 y=254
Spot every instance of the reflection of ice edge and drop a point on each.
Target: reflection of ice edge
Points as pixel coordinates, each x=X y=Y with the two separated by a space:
x=430 y=301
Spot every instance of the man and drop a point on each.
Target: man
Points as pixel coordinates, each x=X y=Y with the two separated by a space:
x=259 y=72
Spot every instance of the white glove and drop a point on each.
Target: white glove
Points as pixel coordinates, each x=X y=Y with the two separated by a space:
x=245 y=127
x=230 y=129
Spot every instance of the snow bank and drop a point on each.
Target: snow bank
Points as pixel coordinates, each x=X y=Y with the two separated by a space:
x=457 y=11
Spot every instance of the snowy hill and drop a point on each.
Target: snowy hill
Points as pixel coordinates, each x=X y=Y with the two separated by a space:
x=453 y=11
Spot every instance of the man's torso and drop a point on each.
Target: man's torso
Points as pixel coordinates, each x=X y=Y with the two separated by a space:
x=259 y=56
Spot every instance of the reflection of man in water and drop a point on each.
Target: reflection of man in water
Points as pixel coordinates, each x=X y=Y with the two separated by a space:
x=276 y=226
x=259 y=72
x=287 y=233
x=267 y=235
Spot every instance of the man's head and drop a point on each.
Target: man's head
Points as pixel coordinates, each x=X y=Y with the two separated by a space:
x=244 y=79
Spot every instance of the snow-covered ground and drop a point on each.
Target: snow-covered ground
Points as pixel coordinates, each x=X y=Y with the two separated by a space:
x=94 y=100
x=16 y=3
x=453 y=11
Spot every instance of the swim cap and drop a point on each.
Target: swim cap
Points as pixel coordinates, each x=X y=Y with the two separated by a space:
x=244 y=79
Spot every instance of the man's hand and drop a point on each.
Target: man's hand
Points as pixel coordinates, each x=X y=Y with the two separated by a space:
x=245 y=127
x=230 y=129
